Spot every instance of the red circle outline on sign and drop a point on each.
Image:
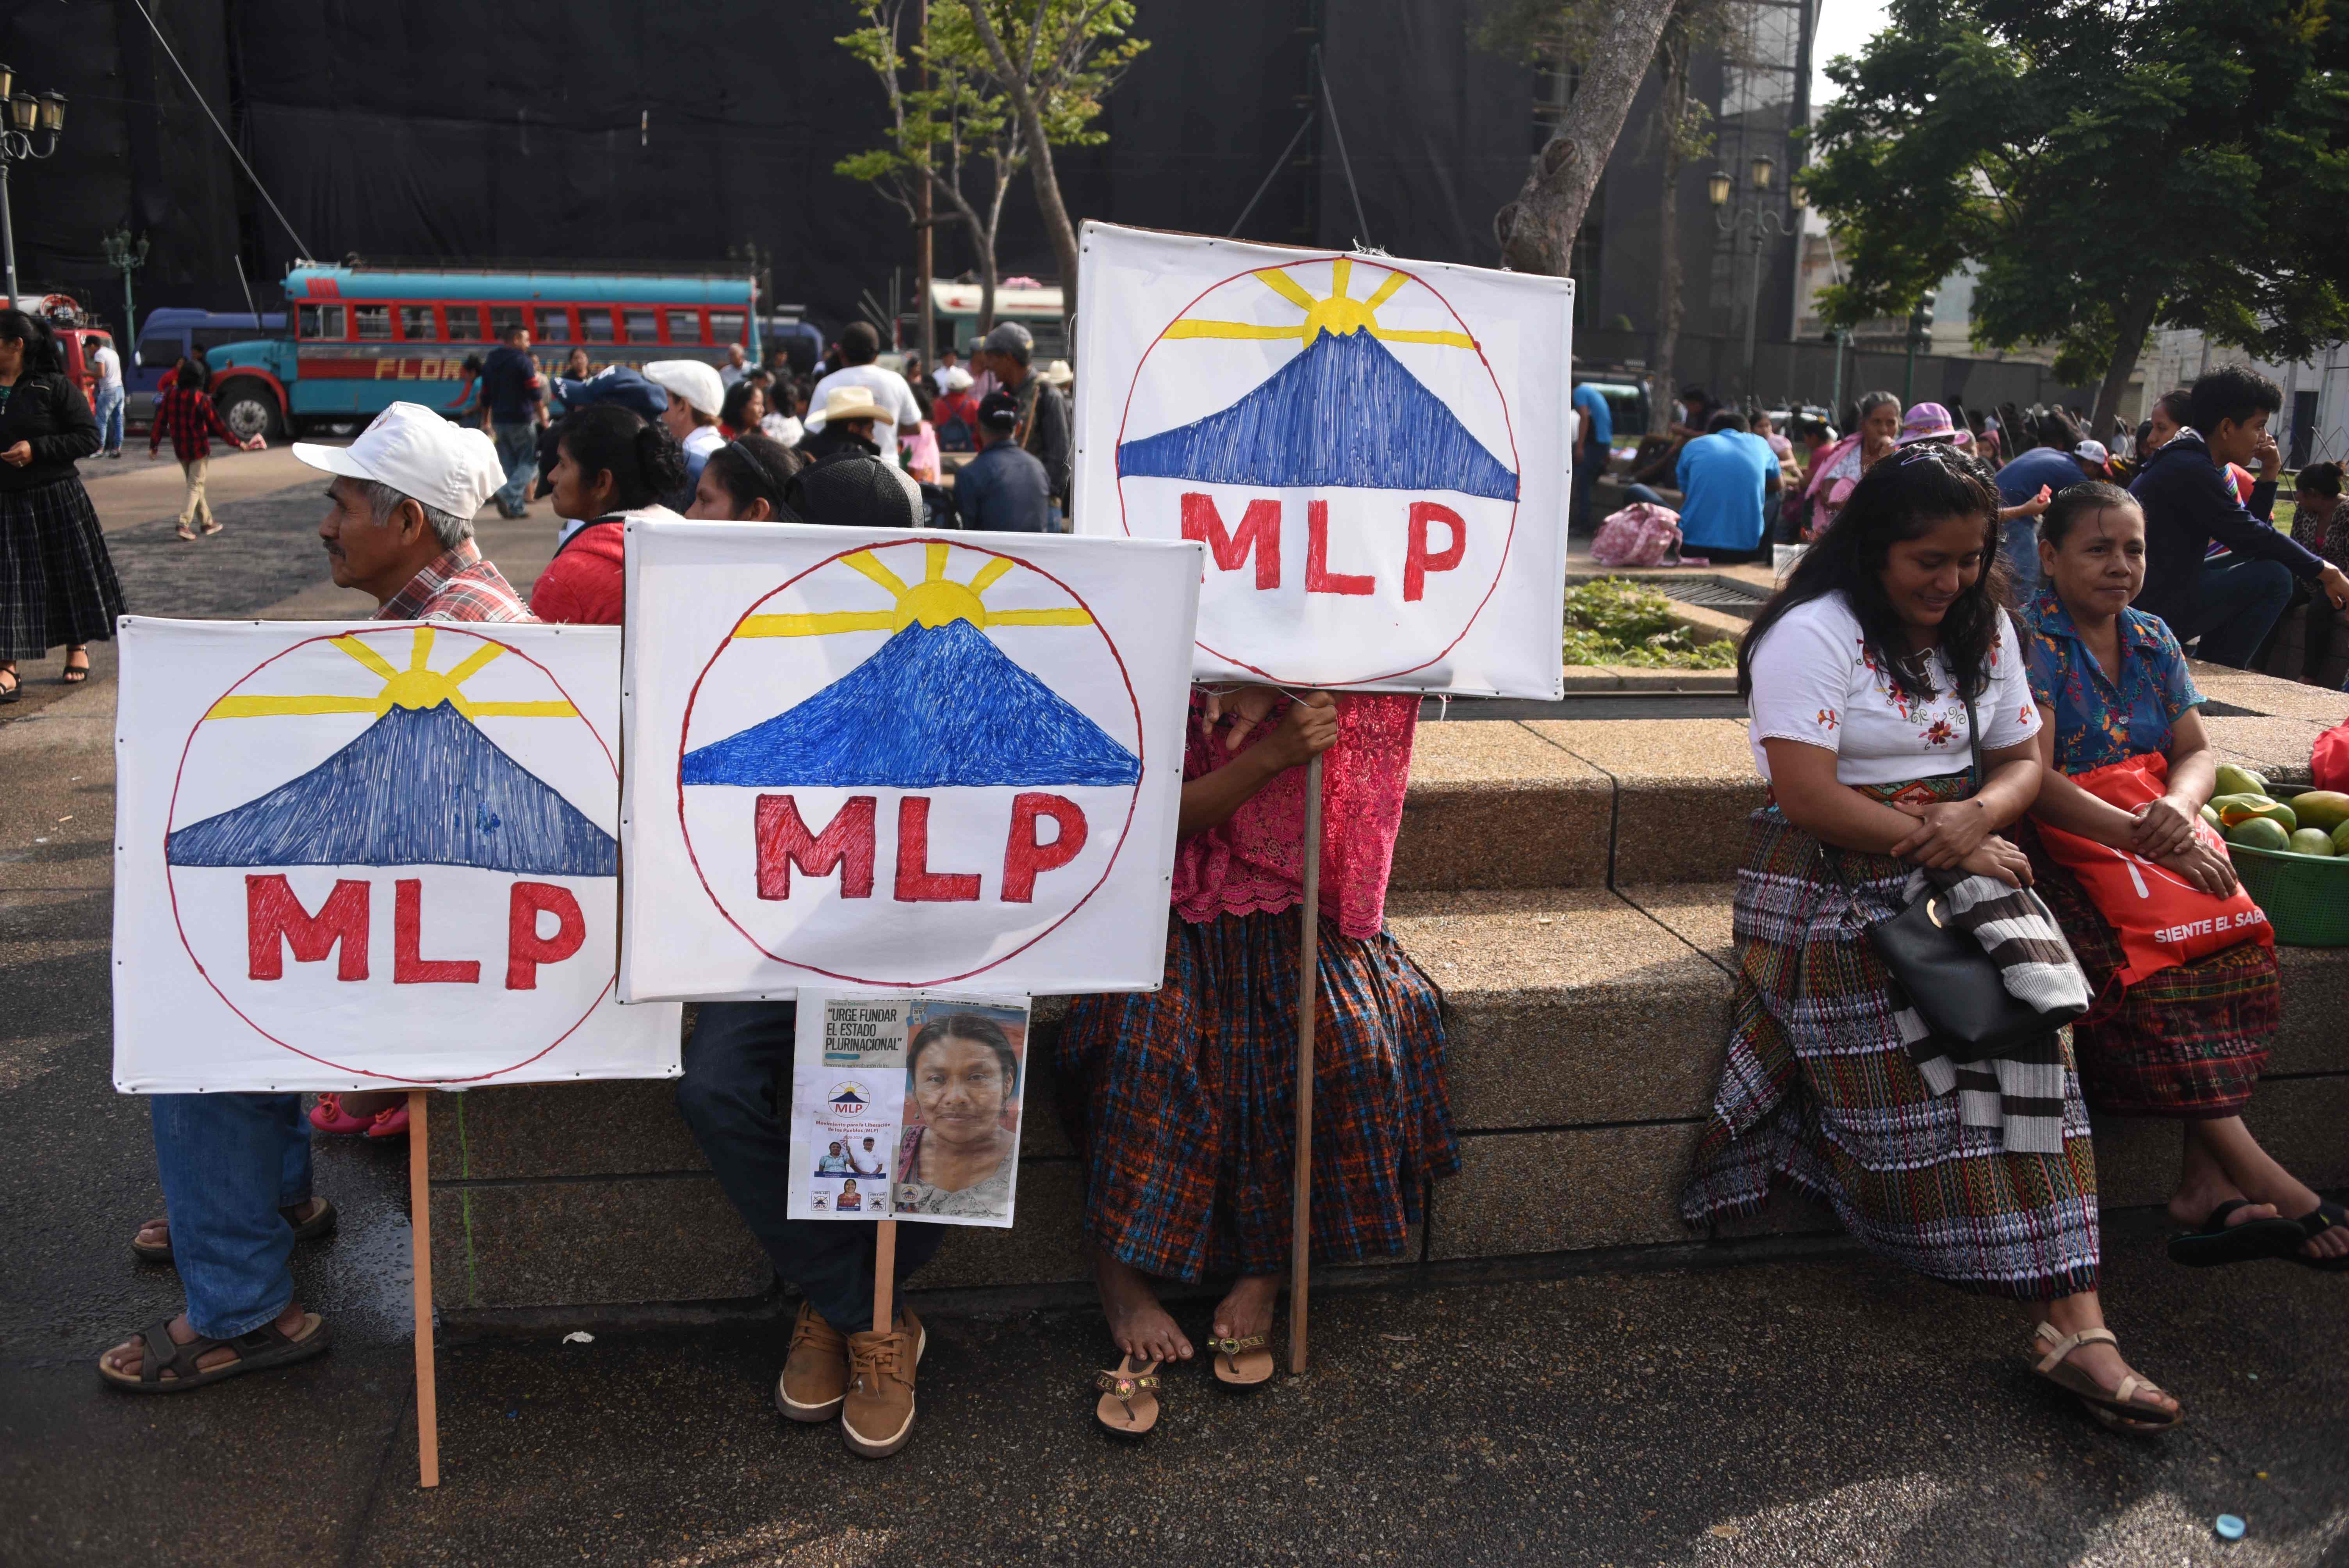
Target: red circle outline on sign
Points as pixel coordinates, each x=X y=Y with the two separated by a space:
x=1516 y=466
x=171 y=883
x=1134 y=801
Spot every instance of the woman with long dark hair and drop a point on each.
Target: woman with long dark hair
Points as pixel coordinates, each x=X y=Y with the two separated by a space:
x=747 y=480
x=1867 y=675
x=56 y=583
x=611 y=465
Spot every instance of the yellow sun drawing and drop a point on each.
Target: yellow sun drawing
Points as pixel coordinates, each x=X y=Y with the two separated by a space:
x=936 y=600
x=417 y=685
x=1340 y=315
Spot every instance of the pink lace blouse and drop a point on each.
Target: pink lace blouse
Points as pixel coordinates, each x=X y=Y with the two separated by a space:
x=1256 y=863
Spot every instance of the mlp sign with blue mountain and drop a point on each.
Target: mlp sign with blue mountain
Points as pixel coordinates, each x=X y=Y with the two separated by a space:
x=1345 y=412
x=937 y=707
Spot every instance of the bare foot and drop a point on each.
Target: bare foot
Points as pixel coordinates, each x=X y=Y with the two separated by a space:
x=1247 y=1310
x=1136 y=1322
x=2330 y=1243
x=158 y=1233
x=127 y=1358
x=2191 y=1208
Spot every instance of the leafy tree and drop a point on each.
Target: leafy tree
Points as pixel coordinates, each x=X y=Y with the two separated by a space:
x=2107 y=165
x=966 y=128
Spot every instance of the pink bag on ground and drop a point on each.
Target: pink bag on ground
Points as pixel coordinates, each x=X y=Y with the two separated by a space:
x=1642 y=535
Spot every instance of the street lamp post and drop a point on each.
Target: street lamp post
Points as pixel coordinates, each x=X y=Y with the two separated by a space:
x=127 y=255
x=26 y=114
x=1762 y=218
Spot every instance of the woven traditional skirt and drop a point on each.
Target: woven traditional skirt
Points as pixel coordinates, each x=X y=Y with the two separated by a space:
x=56 y=583
x=1819 y=1094
x=1181 y=1103
x=2189 y=1042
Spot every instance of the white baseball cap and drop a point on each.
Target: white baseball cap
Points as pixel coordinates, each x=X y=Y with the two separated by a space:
x=450 y=468
x=690 y=380
x=2092 y=452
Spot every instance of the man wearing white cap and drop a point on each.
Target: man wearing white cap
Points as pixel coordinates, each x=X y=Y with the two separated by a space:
x=402 y=529
x=695 y=395
x=235 y=1168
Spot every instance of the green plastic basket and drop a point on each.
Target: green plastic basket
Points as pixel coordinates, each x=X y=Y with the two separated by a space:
x=2306 y=896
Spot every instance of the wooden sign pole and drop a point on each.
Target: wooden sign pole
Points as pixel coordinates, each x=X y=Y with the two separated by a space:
x=1309 y=961
x=885 y=1276
x=420 y=1244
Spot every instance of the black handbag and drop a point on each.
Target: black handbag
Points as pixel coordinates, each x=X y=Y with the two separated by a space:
x=1951 y=981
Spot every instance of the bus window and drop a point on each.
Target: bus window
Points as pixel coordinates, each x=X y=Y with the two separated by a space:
x=640 y=326
x=554 y=325
x=371 y=320
x=726 y=325
x=596 y=324
x=416 y=324
x=322 y=321
x=684 y=326
x=464 y=321
x=503 y=318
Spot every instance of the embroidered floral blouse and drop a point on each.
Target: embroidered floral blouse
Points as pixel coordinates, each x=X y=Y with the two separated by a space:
x=2100 y=720
x=1254 y=863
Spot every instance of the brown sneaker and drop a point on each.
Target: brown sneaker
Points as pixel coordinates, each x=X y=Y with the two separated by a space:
x=815 y=1373
x=877 y=1415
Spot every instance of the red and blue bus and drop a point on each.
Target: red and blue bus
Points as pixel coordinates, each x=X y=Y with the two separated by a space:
x=365 y=338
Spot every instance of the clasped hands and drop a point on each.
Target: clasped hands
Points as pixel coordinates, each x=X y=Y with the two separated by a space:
x=2164 y=833
x=1954 y=835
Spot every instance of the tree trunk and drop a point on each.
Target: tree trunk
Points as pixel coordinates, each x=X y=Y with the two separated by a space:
x=1672 y=108
x=1039 y=151
x=1537 y=230
x=2128 y=341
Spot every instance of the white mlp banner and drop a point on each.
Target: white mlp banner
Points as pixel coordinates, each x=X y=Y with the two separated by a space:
x=1373 y=451
x=863 y=757
x=370 y=855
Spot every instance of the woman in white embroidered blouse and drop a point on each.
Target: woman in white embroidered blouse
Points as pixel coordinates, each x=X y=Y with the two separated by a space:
x=1865 y=675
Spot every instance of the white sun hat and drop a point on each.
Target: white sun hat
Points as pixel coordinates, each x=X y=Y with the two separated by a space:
x=450 y=468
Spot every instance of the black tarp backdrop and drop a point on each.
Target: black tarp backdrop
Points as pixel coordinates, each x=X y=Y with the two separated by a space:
x=680 y=132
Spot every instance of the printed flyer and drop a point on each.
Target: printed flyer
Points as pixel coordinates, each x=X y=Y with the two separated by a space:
x=906 y=1104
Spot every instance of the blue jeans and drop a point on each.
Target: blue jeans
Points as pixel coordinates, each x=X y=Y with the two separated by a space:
x=229 y=1163
x=2020 y=549
x=736 y=1095
x=518 y=455
x=109 y=417
x=2241 y=602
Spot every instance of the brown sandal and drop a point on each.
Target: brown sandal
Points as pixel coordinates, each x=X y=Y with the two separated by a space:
x=1243 y=1363
x=1129 y=1401
x=2115 y=1407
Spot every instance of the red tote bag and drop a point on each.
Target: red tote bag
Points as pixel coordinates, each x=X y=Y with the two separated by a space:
x=2161 y=919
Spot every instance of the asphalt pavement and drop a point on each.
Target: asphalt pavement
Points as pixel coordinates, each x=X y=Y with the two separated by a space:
x=1815 y=1409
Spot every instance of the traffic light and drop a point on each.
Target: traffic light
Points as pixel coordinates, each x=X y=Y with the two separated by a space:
x=1920 y=320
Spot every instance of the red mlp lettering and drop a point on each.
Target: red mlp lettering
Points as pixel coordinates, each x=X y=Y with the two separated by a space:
x=274 y=920
x=1259 y=530
x=1417 y=563
x=525 y=948
x=845 y=845
x=917 y=884
x=1318 y=578
x=408 y=966
x=1023 y=857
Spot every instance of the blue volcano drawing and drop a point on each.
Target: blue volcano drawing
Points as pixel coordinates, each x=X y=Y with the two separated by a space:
x=1344 y=412
x=421 y=787
x=937 y=707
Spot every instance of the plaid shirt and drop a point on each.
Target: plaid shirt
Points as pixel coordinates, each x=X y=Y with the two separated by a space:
x=457 y=585
x=186 y=413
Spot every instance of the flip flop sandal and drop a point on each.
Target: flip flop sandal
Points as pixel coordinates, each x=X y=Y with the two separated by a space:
x=1243 y=1363
x=13 y=689
x=2217 y=1243
x=1129 y=1401
x=2326 y=1216
x=2115 y=1407
x=264 y=1349
x=321 y=1223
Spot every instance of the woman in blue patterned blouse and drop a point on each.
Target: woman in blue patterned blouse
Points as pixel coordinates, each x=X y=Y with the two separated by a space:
x=2187 y=1042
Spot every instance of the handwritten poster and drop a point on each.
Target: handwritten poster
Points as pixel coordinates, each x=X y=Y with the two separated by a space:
x=907 y=1106
x=870 y=757
x=370 y=855
x=1373 y=451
